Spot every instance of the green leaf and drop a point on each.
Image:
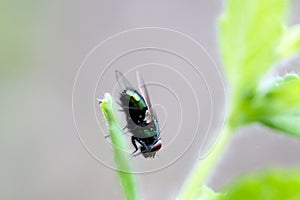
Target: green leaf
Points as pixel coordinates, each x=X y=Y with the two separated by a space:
x=278 y=104
x=290 y=43
x=268 y=185
x=205 y=193
x=250 y=32
x=127 y=179
x=285 y=123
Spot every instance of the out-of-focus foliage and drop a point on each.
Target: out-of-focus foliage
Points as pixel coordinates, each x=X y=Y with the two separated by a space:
x=279 y=104
x=290 y=43
x=127 y=179
x=253 y=36
x=250 y=32
x=270 y=185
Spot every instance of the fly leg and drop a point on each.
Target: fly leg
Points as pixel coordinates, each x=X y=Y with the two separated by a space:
x=133 y=141
x=106 y=136
x=99 y=101
x=124 y=128
x=122 y=107
x=144 y=145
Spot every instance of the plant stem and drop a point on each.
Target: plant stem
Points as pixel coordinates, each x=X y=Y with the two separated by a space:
x=122 y=162
x=203 y=168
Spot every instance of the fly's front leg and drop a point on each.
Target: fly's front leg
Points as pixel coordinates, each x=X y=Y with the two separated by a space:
x=146 y=148
x=133 y=141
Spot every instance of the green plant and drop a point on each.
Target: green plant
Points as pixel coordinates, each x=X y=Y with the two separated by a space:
x=123 y=165
x=276 y=184
x=253 y=37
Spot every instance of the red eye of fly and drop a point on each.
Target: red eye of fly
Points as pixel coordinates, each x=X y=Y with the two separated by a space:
x=156 y=146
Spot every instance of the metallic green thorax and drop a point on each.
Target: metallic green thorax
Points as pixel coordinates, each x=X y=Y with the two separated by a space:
x=135 y=99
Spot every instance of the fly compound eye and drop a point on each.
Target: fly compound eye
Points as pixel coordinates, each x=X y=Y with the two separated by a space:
x=156 y=146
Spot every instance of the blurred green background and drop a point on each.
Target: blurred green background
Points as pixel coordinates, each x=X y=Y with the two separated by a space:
x=42 y=44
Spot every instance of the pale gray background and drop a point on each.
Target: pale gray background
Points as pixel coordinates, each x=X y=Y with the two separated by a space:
x=41 y=155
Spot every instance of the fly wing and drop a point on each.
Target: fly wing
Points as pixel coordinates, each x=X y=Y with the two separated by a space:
x=144 y=91
x=123 y=81
x=156 y=123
